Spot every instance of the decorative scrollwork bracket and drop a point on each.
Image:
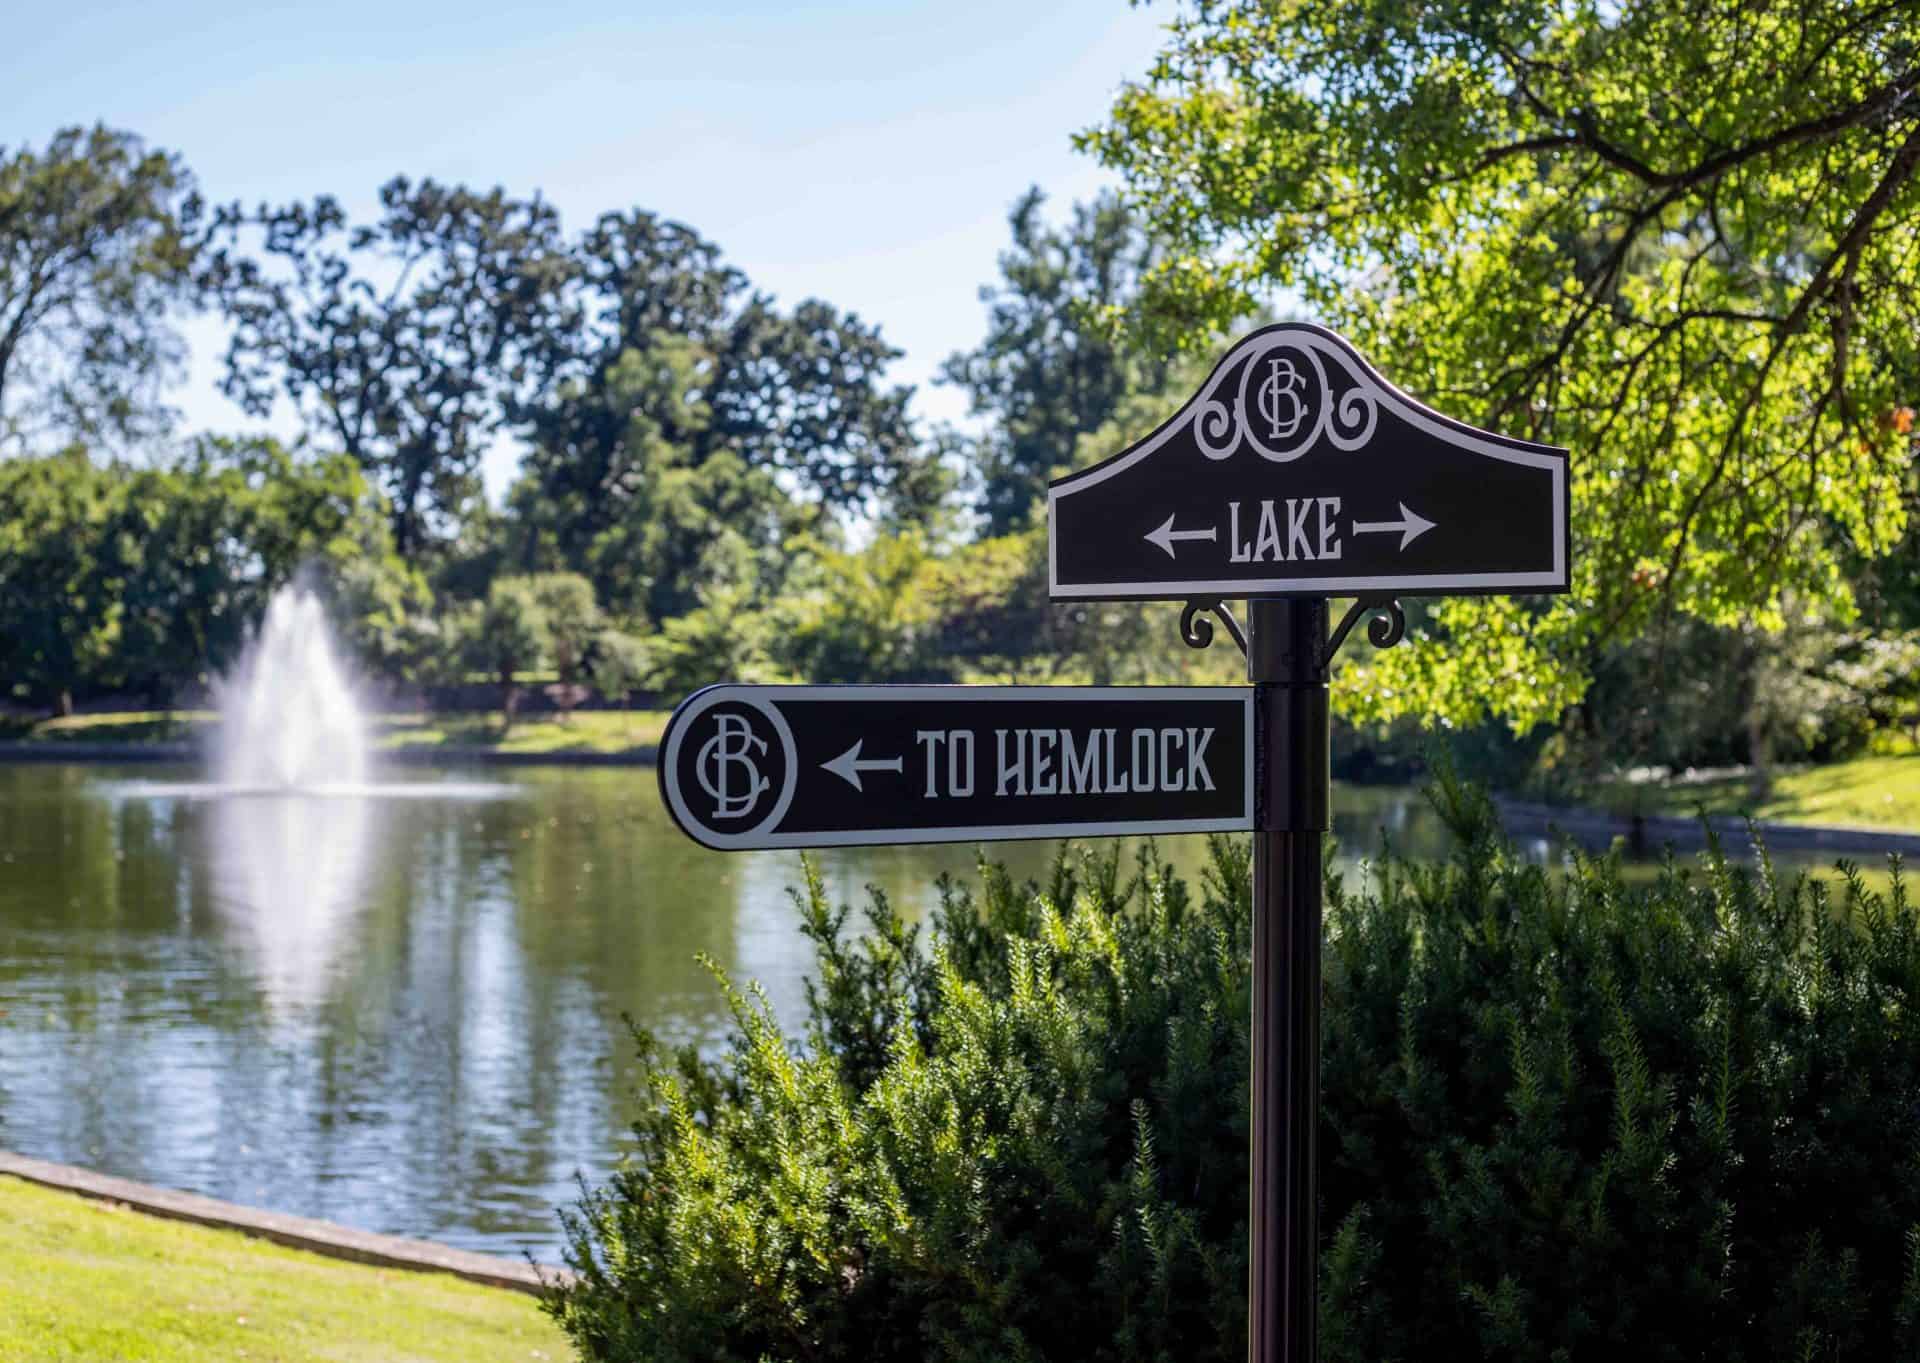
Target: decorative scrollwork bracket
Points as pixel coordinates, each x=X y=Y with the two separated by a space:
x=1387 y=627
x=1197 y=632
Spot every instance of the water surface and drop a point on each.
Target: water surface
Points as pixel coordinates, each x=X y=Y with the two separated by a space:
x=397 y=1010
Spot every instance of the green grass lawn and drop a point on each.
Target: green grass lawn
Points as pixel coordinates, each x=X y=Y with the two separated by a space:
x=1878 y=792
x=593 y=731
x=596 y=731
x=83 y=1280
x=151 y=726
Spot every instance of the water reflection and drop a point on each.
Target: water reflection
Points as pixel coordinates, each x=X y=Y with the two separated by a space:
x=286 y=869
x=289 y=871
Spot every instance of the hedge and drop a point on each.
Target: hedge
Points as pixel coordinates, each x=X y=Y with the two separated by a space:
x=1587 y=1112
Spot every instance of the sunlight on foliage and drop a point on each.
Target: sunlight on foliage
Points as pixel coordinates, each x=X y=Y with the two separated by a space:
x=1680 y=241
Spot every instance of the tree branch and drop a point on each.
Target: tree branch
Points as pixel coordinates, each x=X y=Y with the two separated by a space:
x=1587 y=132
x=1898 y=172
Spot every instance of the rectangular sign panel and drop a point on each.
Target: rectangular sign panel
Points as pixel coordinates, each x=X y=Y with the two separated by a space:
x=746 y=767
x=1299 y=470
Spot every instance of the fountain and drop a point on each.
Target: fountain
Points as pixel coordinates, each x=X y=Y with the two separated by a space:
x=291 y=835
x=288 y=716
x=287 y=818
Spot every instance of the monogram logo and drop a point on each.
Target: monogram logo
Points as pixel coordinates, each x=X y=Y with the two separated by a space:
x=1283 y=405
x=728 y=766
x=1294 y=389
x=733 y=745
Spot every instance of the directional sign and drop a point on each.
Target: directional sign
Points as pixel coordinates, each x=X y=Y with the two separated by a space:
x=1297 y=470
x=834 y=766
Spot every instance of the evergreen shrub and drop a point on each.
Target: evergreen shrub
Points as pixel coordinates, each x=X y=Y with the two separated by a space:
x=1580 y=1114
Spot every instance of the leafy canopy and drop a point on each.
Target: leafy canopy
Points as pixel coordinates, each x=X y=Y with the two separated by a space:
x=1680 y=240
x=690 y=417
x=121 y=576
x=1049 y=368
x=96 y=241
x=404 y=341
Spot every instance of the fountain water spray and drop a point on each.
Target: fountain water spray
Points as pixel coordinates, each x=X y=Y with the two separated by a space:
x=288 y=716
x=289 y=816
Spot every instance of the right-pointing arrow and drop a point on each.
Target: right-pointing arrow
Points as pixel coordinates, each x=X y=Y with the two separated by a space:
x=1410 y=525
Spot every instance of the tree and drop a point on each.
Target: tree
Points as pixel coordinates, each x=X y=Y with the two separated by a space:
x=866 y=617
x=508 y=637
x=95 y=250
x=384 y=609
x=1679 y=240
x=687 y=404
x=1051 y=367
x=200 y=543
x=620 y=666
x=805 y=393
x=115 y=576
x=61 y=607
x=607 y=469
x=727 y=636
x=406 y=341
x=572 y=620
x=628 y=398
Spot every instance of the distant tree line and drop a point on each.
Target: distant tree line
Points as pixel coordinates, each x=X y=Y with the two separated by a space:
x=716 y=485
x=721 y=485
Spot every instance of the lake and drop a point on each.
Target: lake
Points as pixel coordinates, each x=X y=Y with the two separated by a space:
x=404 y=1014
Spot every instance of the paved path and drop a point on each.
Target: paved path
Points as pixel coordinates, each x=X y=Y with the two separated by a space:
x=299 y=1232
x=1650 y=832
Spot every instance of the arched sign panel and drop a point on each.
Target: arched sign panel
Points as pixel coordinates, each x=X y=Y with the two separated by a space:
x=1297 y=470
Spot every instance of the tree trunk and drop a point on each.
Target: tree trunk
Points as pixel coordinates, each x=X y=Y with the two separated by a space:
x=64 y=703
x=509 y=702
x=1759 y=769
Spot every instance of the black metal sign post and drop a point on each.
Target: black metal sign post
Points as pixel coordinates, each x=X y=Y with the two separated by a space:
x=1296 y=473
x=1287 y=662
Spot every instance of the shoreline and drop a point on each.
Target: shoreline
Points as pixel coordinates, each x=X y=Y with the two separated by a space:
x=1596 y=829
x=81 y=751
x=296 y=1232
x=1592 y=828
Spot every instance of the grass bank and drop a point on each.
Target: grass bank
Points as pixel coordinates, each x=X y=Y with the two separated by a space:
x=589 y=731
x=1869 y=792
x=85 y=1280
x=1875 y=792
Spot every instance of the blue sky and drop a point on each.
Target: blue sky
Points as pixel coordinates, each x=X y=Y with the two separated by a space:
x=862 y=153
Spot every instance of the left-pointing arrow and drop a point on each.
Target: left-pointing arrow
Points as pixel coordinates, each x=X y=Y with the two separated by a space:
x=1165 y=535
x=848 y=765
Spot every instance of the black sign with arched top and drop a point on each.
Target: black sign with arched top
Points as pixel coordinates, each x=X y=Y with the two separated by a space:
x=1297 y=470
